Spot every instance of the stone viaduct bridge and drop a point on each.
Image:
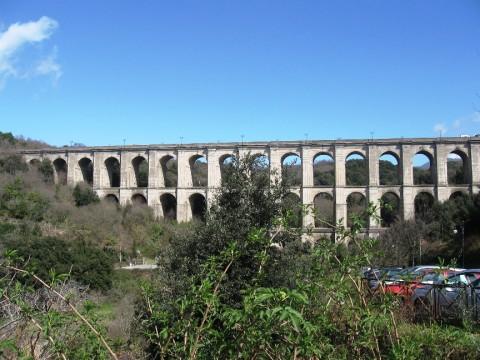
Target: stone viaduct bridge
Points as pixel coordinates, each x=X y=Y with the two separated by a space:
x=114 y=172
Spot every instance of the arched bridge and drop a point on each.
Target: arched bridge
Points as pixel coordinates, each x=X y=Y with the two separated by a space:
x=177 y=181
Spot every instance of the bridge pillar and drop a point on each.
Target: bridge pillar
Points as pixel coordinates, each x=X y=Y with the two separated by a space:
x=124 y=171
x=407 y=193
x=153 y=200
x=184 y=176
x=124 y=197
x=407 y=165
x=97 y=170
x=155 y=175
x=475 y=166
x=183 y=206
x=373 y=183
x=340 y=154
x=408 y=203
x=307 y=201
x=214 y=172
x=441 y=153
x=275 y=156
x=307 y=166
x=341 y=206
x=71 y=168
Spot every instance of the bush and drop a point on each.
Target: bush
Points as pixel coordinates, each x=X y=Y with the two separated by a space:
x=45 y=168
x=17 y=202
x=87 y=264
x=12 y=164
x=83 y=195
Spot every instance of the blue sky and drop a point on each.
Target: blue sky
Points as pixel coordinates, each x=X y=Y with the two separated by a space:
x=98 y=72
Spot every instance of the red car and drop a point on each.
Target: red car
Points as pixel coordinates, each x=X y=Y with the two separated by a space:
x=404 y=282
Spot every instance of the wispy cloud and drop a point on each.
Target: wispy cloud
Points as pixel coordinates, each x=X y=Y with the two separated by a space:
x=49 y=66
x=16 y=37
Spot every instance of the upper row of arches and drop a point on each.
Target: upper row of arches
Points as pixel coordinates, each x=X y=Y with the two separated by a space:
x=356 y=169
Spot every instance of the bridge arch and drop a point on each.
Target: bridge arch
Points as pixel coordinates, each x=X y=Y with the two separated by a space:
x=139 y=200
x=61 y=171
x=389 y=169
x=356 y=169
x=457 y=168
x=458 y=194
x=261 y=165
x=198 y=206
x=423 y=204
x=111 y=199
x=169 y=166
x=324 y=208
x=390 y=209
x=292 y=208
x=34 y=163
x=291 y=169
x=112 y=166
x=86 y=168
x=323 y=169
x=226 y=163
x=423 y=173
x=140 y=168
x=356 y=208
x=169 y=206
x=199 y=170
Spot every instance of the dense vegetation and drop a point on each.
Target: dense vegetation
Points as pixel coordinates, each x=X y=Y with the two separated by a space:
x=243 y=284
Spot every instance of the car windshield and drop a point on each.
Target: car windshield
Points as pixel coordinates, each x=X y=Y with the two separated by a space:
x=392 y=272
x=432 y=277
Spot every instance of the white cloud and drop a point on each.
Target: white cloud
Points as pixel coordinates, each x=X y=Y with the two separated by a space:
x=16 y=37
x=49 y=66
x=440 y=128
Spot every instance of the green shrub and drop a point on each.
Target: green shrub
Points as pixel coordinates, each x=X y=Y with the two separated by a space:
x=12 y=164
x=83 y=195
x=45 y=168
x=88 y=264
x=17 y=202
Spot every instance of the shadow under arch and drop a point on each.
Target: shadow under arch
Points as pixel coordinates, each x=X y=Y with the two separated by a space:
x=112 y=165
x=169 y=206
x=198 y=206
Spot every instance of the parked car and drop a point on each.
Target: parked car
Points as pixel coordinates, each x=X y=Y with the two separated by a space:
x=441 y=293
x=402 y=283
x=375 y=276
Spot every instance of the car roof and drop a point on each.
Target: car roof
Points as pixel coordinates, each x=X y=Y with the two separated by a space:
x=468 y=271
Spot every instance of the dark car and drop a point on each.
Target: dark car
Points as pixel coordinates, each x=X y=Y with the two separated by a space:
x=375 y=276
x=448 y=295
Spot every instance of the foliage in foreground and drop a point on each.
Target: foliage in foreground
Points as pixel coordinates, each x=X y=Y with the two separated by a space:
x=293 y=301
x=51 y=320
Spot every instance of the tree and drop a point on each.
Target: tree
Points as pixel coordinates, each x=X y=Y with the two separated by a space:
x=18 y=202
x=12 y=164
x=45 y=168
x=246 y=200
x=83 y=195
